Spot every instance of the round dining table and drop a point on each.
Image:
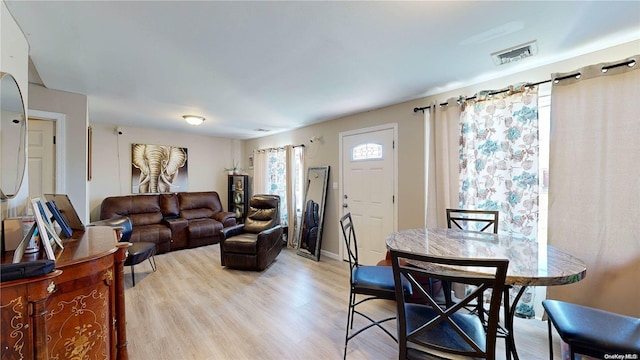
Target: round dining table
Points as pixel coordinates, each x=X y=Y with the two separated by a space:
x=530 y=263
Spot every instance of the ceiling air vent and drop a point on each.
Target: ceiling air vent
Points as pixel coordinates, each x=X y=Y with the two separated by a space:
x=515 y=53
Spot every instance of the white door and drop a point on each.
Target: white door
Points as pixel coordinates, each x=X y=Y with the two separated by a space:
x=369 y=188
x=42 y=160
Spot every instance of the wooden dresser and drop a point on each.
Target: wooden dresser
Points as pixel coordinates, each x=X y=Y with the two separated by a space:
x=75 y=312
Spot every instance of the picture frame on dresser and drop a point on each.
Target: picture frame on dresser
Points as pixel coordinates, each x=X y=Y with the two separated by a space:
x=57 y=216
x=48 y=236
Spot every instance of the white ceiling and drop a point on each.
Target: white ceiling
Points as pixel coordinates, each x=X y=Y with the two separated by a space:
x=284 y=65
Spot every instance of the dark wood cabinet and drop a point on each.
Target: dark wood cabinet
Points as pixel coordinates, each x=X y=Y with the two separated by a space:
x=239 y=196
x=77 y=311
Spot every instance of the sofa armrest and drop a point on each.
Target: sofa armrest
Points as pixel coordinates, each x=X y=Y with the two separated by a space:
x=227 y=218
x=266 y=238
x=232 y=231
x=179 y=232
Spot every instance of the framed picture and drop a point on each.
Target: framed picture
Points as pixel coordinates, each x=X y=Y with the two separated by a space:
x=251 y=162
x=57 y=215
x=158 y=169
x=48 y=235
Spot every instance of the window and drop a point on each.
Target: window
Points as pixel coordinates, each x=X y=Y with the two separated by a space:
x=367 y=151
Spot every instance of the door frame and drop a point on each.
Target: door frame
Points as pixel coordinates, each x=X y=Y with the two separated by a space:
x=341 y=135
x=61 y=123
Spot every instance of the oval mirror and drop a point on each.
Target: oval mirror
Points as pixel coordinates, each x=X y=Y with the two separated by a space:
x=13 y=137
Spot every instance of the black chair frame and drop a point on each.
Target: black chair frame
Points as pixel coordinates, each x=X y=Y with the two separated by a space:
x=410 y=267
x=370 y=292
x=458 y=218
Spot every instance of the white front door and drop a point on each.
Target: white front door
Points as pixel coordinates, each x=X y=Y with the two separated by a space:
x=368 y=191
x=42 y=159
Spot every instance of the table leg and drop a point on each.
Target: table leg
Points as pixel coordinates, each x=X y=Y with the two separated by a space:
x=509 y=313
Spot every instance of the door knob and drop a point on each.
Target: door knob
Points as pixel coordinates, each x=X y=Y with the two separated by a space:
x=345 y=205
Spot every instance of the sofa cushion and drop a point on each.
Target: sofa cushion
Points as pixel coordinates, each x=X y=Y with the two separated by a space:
x=145 y=218
x=169 y=205
x=196 y=200
x=156 y=233
x=244 y=243
x=263 y=214
x=141 y=209
x=200 y=213
x=200 y=228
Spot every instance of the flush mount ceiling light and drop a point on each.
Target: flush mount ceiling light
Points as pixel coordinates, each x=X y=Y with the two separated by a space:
x=193 y=119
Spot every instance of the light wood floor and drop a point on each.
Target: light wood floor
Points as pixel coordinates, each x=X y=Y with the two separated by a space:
x=192 y=308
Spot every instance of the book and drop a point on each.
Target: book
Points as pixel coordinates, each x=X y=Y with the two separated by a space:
x=57 y=216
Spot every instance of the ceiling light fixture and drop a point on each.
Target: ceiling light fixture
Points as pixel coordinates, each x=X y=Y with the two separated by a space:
x=194 y=120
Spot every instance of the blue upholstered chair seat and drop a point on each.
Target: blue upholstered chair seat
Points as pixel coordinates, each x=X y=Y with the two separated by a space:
x=592 y=331
x=376 y=279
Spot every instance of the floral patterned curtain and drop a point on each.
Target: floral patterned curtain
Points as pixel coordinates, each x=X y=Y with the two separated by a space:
x=499 y=164
x=499 y=157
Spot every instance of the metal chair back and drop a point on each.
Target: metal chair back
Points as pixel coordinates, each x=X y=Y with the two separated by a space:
x=424 y=325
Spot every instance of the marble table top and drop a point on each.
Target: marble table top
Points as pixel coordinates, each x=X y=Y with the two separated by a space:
x=529 y=262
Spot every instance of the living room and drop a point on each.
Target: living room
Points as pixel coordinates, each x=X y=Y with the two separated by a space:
x=110 y=152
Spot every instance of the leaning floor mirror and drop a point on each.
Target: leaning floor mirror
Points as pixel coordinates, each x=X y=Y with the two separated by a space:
x=310 y=238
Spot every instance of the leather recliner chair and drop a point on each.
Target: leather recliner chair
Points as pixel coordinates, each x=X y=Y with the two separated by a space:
x=256 y=243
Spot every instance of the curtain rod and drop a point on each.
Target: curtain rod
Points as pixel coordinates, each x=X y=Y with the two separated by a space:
x=576 y=75
x=278 y=148
x=490 y=94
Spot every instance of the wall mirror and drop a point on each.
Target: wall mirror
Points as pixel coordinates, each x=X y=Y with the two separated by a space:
x=13 y=137
x=310 y=238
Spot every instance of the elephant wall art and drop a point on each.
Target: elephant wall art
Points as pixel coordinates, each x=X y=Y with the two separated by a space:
x=158 y=168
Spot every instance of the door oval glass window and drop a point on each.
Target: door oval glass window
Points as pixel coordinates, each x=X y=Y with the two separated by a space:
x=368 y=151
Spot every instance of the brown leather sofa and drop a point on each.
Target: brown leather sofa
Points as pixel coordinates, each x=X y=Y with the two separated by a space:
x=171 y=221
x=256 y=243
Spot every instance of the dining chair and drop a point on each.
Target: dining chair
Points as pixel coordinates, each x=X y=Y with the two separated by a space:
x=368 y=282
x=593 y=332
x=473 y=220
x=426 y=328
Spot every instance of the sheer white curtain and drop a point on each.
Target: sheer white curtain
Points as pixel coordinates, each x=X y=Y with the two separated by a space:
x=260 y=172
x=295 y=179
x=594 y=184
x=443 y=175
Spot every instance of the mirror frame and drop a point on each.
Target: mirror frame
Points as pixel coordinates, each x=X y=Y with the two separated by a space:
x=321 y=207
x=21 y=160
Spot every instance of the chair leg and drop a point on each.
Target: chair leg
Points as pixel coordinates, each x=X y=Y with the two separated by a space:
x=446 y=288
x=133 y=276
x=349 y=323
x=152 y=261
x=550 y=340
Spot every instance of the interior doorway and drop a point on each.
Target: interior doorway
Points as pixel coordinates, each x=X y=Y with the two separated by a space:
x=42 y=157
x=46 y=168
x=368 y=178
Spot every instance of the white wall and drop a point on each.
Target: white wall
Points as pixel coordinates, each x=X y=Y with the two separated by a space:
x=411 y=142
x=74 y=107
x=14 y=59
x=111 y=160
